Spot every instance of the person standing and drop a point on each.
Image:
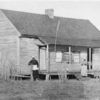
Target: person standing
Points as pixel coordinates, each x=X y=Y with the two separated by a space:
x=84 y=68
x=34 y=68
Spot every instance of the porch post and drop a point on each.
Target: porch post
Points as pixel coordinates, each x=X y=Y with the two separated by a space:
x=47 y=62
x=18 y=53
x=39 y=56
x=18 y=57
x=69 y=55
x=90 y=58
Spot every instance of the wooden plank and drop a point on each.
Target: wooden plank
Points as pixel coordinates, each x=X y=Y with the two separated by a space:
x=47 y=63
x=90 y=62
x=39 y=57
x=18 y=55
x=47 y=58
x=69 y=55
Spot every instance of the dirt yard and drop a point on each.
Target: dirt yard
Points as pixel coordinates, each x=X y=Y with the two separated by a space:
x=50 y=90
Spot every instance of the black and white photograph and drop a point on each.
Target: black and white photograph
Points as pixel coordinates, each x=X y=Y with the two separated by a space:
x=49 y=50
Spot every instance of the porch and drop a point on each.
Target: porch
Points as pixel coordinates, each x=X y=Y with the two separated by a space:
x=64 y=59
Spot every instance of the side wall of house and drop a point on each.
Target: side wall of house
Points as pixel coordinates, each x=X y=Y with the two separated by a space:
x=8 y=46
x=8 y=55
x=28 y=49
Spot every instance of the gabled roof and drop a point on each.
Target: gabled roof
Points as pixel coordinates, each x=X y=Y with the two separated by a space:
x=78 y=31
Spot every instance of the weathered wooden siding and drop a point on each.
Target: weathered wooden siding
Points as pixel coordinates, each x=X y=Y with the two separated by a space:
x=28 y=49
x=58 y=66
x=96 y=59
x=8 y=55
x=54 y=66
x=8 y=46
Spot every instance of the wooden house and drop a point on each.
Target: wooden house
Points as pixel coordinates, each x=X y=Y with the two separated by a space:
x=57 y=43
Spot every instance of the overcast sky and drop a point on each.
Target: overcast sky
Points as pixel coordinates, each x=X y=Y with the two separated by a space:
x=74 y=9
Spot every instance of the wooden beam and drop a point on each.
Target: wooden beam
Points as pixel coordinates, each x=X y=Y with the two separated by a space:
x=47 y=62
x=90 y=55
x=39 y=57
x=69 y=55
x=47 y=56
x=18 y=55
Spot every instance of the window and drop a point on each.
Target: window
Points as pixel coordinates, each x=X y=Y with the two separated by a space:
x=66 y=57
x=59 y=56
x=76 y=57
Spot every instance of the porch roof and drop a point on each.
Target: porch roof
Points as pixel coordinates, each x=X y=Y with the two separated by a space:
x=72 y=42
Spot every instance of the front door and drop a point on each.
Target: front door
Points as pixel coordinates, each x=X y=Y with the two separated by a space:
x=42 y=59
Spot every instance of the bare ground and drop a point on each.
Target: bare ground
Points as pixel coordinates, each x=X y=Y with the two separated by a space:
x=50 y=90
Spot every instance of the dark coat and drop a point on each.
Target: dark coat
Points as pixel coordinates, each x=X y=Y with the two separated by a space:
x=33 y=62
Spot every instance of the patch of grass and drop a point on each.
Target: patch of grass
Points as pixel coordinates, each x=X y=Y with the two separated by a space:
x=48 y=90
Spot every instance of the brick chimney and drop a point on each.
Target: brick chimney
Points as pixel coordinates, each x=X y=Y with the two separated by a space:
x=49 y=13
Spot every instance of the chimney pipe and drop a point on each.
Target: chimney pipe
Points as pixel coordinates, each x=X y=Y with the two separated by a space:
x=49 y=13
